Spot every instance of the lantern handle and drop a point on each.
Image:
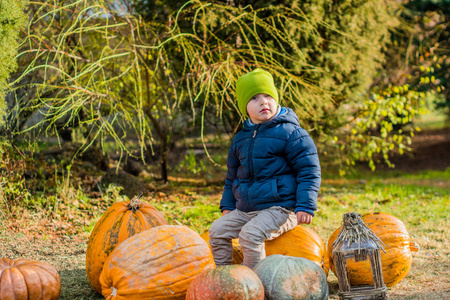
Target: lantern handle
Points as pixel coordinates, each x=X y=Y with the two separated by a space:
x=354 y=230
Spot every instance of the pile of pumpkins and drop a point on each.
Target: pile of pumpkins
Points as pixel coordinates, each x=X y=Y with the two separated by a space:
x=133 y=253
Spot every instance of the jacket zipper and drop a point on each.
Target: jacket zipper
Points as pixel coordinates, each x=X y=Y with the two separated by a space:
x=250 y=151
x=250 y=162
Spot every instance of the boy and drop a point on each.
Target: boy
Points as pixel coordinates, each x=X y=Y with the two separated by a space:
x=273 y=174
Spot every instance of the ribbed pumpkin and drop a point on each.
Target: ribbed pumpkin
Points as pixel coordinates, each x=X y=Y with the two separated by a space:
x=28 y=279
x=288 y=277
x=238 y=255
x=301 y=242
x=233 y=282
x=397 y=260
x=121 y=221
x=158 y=263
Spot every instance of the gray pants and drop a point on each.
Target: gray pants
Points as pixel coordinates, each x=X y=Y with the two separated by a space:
x=252 y=228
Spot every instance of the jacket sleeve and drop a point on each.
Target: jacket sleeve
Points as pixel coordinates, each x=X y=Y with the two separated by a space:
x=228 y=201
x=302 y=155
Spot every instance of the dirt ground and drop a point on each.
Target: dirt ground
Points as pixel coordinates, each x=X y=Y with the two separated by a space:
x=430 y=151
x=46 y=240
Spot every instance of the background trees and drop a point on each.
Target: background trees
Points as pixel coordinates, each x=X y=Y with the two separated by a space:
x=155 y=72
x=431 y=43
x=12 y=19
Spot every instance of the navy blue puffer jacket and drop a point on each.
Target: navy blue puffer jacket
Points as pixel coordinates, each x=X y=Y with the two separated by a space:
x=274 y=163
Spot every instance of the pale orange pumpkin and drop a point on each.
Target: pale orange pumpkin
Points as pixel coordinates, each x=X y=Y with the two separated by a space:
x=28 y=279
x=158 y=263
x=298 y=242
x=121 y=221
x=397 y=260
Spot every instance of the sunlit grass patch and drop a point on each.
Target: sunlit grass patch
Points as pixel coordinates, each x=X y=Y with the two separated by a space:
x=413 y=204
x=197 y=211
x=435 y=119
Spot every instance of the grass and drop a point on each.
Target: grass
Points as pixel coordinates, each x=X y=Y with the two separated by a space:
x=59 y=234
x=196 y=208
x=436 y=119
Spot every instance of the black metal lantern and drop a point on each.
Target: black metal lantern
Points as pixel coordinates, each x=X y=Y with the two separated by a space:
x=356 y=241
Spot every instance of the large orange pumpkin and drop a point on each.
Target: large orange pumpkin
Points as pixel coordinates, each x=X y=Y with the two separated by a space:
x=158 y=263
x=299 y=242
x=233 y=282
x=28 y=279
x=121 y=221
x=397 y=260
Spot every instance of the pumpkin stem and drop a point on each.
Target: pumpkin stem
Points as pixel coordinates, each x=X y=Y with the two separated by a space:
x=414 y=246
x=135 y=203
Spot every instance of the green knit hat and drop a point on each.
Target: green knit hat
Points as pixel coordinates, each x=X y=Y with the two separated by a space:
x=252 y=83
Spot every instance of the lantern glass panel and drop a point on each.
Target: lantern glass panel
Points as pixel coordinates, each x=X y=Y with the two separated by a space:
x=360 y=265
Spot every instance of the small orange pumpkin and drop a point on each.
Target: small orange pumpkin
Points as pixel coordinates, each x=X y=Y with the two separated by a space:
x=28 y=279
x=121 y=221
x=231 y=282
x=158 y=263
x=397 y=260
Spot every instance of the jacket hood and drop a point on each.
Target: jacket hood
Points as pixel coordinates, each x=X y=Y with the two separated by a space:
x=286 y=115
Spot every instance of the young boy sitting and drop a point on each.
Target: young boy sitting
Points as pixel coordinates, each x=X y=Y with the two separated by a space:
x=273 y=174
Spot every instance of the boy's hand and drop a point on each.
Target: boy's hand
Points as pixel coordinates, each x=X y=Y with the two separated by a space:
x=225 y=211
x=303 y=217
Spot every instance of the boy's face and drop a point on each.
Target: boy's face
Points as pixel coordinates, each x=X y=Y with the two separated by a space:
x=261 y=108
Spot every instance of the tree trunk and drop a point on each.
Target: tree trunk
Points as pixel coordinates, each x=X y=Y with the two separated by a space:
x=164 y=151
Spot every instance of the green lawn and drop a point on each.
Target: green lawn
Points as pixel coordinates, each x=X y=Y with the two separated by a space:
x=421 y=200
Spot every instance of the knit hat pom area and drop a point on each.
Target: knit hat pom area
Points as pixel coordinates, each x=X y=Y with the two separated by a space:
x=252 y=83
